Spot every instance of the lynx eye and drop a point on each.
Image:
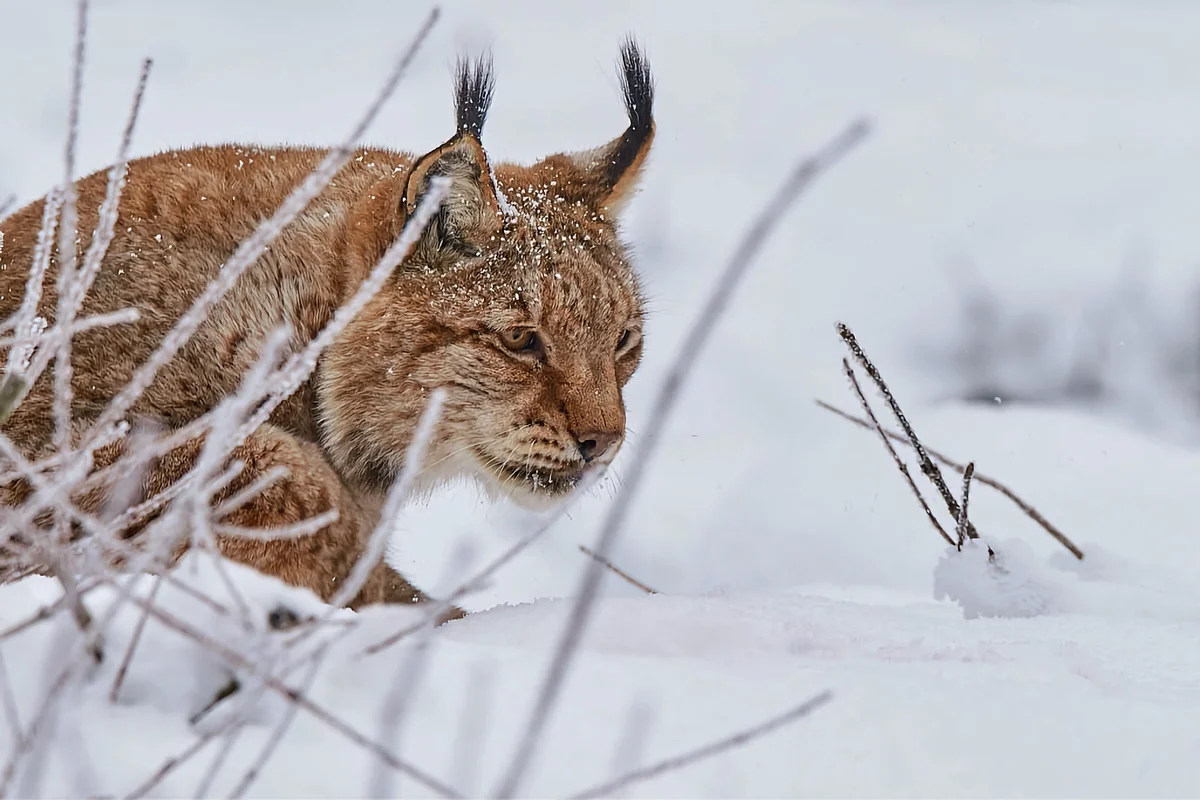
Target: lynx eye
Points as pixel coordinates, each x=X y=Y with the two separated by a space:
x=522 y=340
x=628 y=337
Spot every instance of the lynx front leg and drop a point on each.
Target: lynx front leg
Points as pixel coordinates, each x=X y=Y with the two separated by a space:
x=321 y=561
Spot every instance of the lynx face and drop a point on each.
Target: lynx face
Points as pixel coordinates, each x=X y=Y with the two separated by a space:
x=520 y=301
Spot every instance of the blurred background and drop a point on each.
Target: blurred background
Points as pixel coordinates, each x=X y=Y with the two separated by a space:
x=1018 y=232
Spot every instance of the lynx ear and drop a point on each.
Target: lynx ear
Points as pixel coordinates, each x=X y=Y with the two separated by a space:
x=471 y=211
x=612 y=170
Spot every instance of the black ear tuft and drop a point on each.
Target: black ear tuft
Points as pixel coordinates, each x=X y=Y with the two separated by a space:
x=474 y=84
x=637 y=85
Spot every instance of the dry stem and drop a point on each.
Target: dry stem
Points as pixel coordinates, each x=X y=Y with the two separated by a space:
x=929 y=468
x=960 y=527
x=610 y=788
x=979 y=477
x=9 y=701
x=133 y=642
x=866 y=405
x=587 y=551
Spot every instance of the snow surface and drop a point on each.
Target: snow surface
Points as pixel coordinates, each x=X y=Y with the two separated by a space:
x=1042 y=142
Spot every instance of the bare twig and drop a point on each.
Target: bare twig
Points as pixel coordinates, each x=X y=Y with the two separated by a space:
x=609 y=788
x=24 y=745
x=800 y=178
x=611 y=567
x=9 y=701
x=122 y=317
x=79 y=613
x=978 y=477
x=395 y=706
x=103 y=235
x=277 y=734
x=174 y=762
x=67 y=257
x=472 y=728
x=305 y=527
x=256 y=487
x=133 y=642
x=960 y=528
x=45 y=612
x=7 y=204
x=866 y=406
x=24 y=322
x=929 y=468
x=631 y=744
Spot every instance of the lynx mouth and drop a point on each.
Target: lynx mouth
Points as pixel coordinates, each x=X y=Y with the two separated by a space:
x=527 y=481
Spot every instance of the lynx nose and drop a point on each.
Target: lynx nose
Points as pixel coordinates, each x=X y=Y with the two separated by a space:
x=594 y=444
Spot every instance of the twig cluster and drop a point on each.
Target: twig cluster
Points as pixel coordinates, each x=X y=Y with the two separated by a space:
x=963 y=527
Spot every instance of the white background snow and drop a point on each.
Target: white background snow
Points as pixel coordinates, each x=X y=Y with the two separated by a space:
x=1049 y=144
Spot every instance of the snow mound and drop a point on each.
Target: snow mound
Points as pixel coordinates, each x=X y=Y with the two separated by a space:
x=997 y=580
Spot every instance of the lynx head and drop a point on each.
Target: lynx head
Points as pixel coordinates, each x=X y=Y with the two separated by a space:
x=519 y=300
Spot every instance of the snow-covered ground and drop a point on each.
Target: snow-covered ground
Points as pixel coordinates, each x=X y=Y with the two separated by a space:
x=1051 y=145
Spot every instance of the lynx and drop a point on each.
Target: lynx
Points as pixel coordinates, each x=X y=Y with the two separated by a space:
x=519 y=300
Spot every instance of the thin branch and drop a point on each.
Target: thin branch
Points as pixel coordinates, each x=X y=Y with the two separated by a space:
x=9 y=701
x=7 y=204
x=395 y=705
x=801 y=177
x=277 y=734
x=306 y=527
x=121 y=317
x=229 y=725
x=587 y=551
x=79 y=614
x=103 y=235
x=24 y=745
x=243 y=699
x=610 y=788
x=979 y=477
x=174 y=762
x=960 y=528
x=472 y=728
x=67 y=257
x=42 y=614
x=256 y=487
x=133 y=642
x=862 y=399
x=929 y=468
x=24 y=322
x=631 y=744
